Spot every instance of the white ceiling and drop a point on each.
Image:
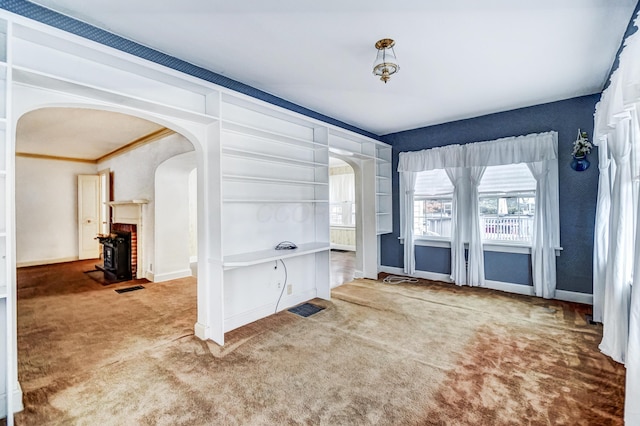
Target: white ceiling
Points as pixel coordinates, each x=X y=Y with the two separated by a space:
x=83 y=134
x=458 y=58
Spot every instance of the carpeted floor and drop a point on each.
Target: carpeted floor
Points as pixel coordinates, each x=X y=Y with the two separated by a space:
x=425 y=354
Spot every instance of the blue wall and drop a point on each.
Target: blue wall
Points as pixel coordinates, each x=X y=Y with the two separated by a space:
x=578 y=190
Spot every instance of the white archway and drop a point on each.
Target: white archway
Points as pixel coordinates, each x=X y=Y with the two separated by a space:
x=172 y=240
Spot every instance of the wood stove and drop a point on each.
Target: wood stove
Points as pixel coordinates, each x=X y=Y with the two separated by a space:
x=116 y=256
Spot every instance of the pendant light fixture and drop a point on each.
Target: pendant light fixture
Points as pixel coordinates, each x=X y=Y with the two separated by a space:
x=386 y=63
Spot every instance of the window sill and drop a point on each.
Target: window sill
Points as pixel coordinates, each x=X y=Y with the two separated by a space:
x=501 y=247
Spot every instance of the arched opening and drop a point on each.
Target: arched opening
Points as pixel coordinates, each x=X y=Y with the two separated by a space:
x=74 y=321
x=343 y=221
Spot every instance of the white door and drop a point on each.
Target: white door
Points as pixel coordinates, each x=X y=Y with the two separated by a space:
x=88 y=216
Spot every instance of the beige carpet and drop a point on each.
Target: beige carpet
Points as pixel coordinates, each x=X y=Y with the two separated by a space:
x=427 y=354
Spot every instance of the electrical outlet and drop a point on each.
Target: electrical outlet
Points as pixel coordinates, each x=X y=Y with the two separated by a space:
x=279 y=284
x=289 y=288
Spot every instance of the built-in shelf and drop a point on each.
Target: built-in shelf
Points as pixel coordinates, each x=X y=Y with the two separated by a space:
x=263 y=256
x=383 y=214
x=270 y=158
x=265 y=201
x=3 y=292
x=244 y=130
x=121 y=203
x=257 y=179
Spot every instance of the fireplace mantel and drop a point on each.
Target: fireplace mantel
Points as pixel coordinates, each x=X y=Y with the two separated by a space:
x=130 y=212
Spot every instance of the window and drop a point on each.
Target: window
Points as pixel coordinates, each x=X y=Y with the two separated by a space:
x=432 y=217
x=432 y=204
x=343 y=213
x=507 y=218
x=506 y=202
x=506 y=199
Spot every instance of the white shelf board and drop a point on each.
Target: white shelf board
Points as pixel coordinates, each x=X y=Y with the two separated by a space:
x=255 y=179
x=383 y=194
x=264 y=201
x=382 y=214
x=269 y=158
x=3 y=292
x=263 y=256
x=254 y=132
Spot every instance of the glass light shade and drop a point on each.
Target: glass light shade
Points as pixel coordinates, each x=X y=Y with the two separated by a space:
x=386 y=63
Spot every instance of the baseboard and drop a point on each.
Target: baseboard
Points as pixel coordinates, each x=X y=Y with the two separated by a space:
x=358 y=274
x=433 y=276
x=568 y=296
x=201 y=331
x=572 y=296
x=17 y=402
x=524 y=289
x=150 y=276
x=263 y=311
x=342 y=247
x=158 y=278
x=47 y=261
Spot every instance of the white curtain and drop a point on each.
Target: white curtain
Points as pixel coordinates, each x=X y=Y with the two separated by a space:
x=543 y=257
x=620 y=260
x=459 y=177
x=632 y=407
x=616 y=130
x=409 y=185
x=475 y=270
x=342 y=187
x=465 y=165
x=601 y=232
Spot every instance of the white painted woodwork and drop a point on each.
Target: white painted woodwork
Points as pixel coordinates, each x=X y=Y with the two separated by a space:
x=88 y=216
x=262 y=176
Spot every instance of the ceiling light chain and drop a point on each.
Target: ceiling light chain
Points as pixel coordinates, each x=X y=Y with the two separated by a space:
x=386 y=63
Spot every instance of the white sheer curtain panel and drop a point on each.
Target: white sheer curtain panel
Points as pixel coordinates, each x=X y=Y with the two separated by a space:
x=342 y=187
x=601 y=232
x=543 y=256
x=459 y=177
x=409 y=185
x=621 y=240
x=631 y=406
x=616 y=123
x=475 y=270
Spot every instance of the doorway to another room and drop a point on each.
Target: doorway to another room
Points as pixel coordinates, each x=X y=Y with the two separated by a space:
x=343 y=208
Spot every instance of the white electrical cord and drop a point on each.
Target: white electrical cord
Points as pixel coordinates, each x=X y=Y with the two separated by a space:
x=394 y=279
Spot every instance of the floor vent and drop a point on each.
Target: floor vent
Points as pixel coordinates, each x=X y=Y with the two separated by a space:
x=128 y=289
x=306 y=309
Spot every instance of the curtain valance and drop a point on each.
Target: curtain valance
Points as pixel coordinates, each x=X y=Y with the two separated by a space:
x=518 y=149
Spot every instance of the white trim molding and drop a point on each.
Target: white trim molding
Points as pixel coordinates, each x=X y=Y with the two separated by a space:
x=47 y=261
x=17 y=401
x=524 y=289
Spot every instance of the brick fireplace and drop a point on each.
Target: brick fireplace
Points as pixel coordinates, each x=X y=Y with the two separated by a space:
x=131 y=229
x=128 y=217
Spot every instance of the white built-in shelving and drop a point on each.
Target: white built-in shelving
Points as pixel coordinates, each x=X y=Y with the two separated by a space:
x=274 y=182
x=384 y=219
x=263 y=172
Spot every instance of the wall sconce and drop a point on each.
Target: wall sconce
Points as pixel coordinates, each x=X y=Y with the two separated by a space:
x=386 y=63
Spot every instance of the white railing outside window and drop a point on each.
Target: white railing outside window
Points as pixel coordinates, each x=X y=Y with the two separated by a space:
x=508 y=228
